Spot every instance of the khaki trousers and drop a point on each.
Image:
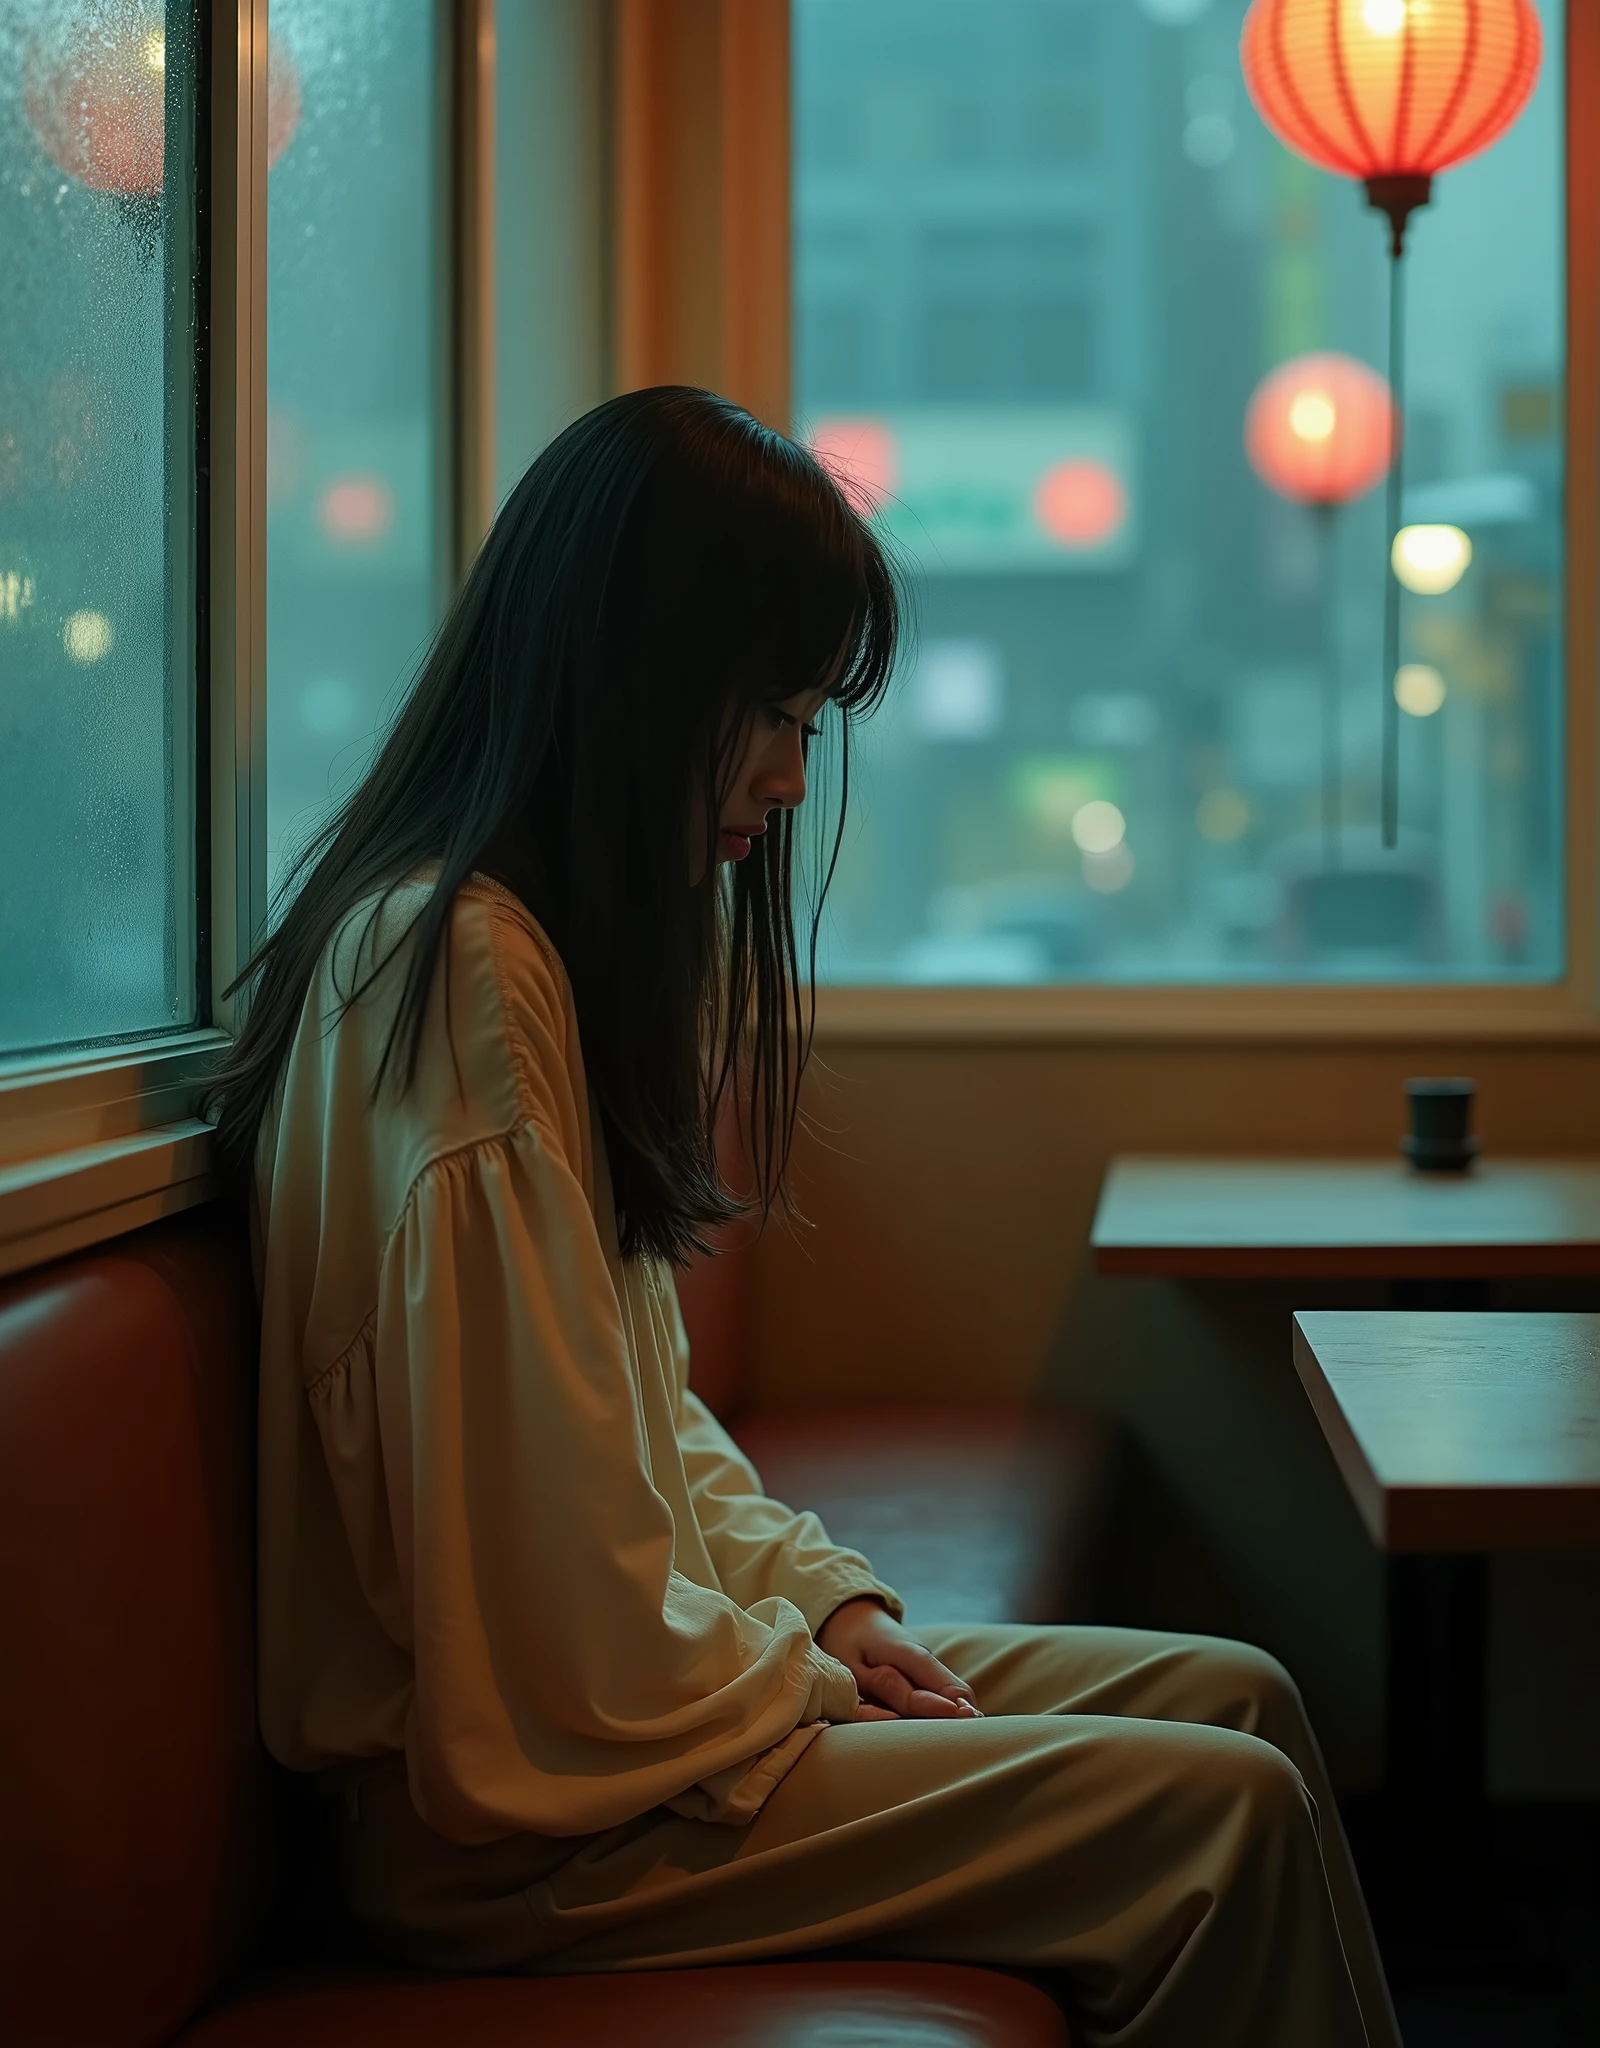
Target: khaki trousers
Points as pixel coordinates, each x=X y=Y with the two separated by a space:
x=1146 y=1814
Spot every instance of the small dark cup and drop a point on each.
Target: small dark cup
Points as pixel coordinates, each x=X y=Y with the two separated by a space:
x=1439 y=1140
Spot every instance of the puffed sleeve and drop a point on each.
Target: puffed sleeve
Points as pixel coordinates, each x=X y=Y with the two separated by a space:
x=762 y=1550
x=566 y=1676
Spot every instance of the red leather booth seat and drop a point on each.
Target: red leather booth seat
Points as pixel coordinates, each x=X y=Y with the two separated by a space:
x=759 y=2005
x=136 y=1832
x=972 y=1513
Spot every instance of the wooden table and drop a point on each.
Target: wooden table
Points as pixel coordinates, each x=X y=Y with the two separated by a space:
x=1457 y=1435
x=1347 y=1219
x=1460 y=1432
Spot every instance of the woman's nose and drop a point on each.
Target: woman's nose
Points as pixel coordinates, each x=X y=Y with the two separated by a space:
x=783 y=784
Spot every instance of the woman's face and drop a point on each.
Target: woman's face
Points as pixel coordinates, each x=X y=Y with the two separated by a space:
x=768 y=772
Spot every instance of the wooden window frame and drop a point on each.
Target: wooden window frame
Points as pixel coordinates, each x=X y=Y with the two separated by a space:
x=98 y=1140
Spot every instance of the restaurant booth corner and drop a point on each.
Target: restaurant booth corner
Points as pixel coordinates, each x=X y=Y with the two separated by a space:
x=151 y=1887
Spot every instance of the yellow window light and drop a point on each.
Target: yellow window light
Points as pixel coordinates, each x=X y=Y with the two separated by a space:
x=87 y=636
x=1431 y=559
x=1098 y=826
x=1418 y=689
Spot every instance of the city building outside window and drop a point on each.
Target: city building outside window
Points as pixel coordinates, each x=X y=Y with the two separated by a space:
x=1046 y=256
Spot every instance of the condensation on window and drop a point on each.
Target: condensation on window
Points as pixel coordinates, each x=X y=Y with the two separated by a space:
x=355 y=564
x=96 y=491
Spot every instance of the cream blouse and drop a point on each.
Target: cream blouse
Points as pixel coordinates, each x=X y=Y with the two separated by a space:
x=497 y=1531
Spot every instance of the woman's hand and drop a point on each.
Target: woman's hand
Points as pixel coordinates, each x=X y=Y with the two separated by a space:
x=895 y=1676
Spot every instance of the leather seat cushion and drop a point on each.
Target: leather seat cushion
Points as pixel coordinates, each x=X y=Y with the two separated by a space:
x=132 y=1840
x=971 y=1514
x=760 y=2005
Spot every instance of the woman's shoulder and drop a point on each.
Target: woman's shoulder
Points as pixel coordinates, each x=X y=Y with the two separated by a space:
x=500 y=1038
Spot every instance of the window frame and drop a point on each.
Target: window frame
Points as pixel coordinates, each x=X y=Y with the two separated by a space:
x=99 y=1139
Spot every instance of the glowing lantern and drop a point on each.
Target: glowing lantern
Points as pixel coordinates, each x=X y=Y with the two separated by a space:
x=1391 y=92
x=1321 y=429
x=98 y=104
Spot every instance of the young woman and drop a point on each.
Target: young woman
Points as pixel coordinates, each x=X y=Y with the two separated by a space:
x=582 y=1697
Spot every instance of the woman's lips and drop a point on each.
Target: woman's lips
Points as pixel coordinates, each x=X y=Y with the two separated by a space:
x=736 y=845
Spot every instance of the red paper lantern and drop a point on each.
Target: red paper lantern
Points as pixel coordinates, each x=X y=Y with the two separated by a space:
x=1321 y=429
x=1391 y=92
x=1390 y=88
x=98 y=106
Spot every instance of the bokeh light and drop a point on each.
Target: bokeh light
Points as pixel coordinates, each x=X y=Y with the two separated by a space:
x=1431 y=559
x=1320 y=429
x=1418 y=689
x=861 y=457
x=1098 y=826
x=1081 y=502
x=356 y=510
x=87 y=636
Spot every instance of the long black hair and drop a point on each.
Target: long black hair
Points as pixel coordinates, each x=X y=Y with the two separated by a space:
x=664 y=569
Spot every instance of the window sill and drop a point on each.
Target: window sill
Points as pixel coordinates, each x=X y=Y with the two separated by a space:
x=99 y=1142
x=60 y=1204
x=1545 y=1014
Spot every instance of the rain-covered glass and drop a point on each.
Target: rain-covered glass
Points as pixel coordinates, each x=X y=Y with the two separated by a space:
x=1046 y=258
x=97 y=491
x=356 y=544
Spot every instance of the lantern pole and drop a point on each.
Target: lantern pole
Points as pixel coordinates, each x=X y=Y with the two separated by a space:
x=1398 y=198
x=1324 y=511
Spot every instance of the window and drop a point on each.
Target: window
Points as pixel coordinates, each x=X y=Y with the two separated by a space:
x=98 y=445
x=359 y=541
x=1045 y=254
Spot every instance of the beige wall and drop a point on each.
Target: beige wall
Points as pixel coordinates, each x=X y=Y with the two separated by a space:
x=950 y=1192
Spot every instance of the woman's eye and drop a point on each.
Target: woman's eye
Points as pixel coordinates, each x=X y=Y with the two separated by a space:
x=780 y=720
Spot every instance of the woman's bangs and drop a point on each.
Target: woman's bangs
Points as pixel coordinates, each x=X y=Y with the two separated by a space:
x=831 y=617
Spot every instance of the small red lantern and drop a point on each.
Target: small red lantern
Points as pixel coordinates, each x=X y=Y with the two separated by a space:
x=1391 y=92
x=1321 y=429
